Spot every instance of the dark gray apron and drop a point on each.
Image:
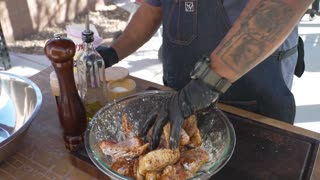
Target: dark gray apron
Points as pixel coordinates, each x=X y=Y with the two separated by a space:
x=193 y=28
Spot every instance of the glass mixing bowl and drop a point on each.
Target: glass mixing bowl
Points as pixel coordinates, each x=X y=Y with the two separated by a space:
x=218 y=135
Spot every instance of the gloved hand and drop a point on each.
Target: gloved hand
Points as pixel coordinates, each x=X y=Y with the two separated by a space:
x=195 y=96
x=109 y=55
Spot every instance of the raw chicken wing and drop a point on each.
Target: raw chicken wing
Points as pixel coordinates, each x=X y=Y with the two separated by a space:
x=157 y=160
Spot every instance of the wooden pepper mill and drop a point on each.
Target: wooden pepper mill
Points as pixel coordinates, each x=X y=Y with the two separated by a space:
x=72 y=114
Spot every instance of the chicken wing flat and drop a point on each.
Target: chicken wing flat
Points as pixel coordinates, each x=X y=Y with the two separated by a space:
x=152 y=175
x=189 y=163
x=175 y=172
x=168 y=172
x=192 y=160
x=190 y=125
x=130 y=148
x=157 y=160
x=191 y=128
x=184 y=137
x=165 y=137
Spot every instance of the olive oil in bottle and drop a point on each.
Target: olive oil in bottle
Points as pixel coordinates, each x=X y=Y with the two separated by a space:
x=91 y=74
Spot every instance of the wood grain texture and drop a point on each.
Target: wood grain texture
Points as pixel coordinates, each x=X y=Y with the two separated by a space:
x=314 y=169
x=265 y=152
x=269 y=121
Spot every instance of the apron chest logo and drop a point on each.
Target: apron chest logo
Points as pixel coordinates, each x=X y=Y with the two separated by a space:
x=189 y=7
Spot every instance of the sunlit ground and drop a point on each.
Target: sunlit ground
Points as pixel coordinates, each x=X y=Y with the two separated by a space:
x=306 y=89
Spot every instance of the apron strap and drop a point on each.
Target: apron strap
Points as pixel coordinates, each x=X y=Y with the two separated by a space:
x=300 y=66
x=284 y=54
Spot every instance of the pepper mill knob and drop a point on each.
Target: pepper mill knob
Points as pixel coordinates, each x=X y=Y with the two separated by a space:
x=60 y=49
x=72 y=114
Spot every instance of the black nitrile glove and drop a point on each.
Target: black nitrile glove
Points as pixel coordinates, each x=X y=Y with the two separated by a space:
x=109 y=55
x=195 y=96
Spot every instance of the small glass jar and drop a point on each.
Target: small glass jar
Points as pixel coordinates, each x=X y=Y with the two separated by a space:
x=121 y=88
x=118 y=83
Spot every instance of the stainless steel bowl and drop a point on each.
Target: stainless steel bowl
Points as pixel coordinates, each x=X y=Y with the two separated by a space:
x=20 y=101
x=217 y=133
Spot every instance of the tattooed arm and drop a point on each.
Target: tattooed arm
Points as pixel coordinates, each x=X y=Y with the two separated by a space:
x=262 y=26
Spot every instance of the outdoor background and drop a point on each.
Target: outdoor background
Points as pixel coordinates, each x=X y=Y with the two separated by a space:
x=27 y=58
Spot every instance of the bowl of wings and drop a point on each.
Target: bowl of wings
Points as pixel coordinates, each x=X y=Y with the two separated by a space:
x=112 y=142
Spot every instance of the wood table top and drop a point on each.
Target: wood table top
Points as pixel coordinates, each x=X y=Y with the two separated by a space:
x=42 y=155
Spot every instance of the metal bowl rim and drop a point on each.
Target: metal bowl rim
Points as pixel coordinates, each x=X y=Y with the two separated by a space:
x=35 y=111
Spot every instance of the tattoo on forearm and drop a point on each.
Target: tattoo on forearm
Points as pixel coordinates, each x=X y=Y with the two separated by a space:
x=260 y=28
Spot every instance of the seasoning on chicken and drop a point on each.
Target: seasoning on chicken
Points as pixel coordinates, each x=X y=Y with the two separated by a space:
x=184 y=137
x=190 y=126
x=193 y=159
x=157 y=160
x=127 y=127
x=168 y=172
x=189 y=163
x=175 y=172
x=130 y=157
x=135 y=169
x=130 y=148
x=152 y=175
x=124 y=167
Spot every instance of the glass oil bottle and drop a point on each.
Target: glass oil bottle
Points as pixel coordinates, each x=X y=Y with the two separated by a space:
x=91 y=74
